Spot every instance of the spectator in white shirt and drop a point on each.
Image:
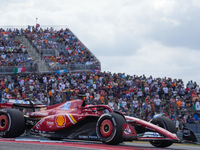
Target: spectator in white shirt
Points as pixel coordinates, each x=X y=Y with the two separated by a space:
x=157 y=102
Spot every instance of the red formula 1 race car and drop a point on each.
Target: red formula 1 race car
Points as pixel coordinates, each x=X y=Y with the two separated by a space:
x=76 y=120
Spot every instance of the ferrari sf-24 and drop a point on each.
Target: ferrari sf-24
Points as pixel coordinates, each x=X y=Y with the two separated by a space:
x=76 y=120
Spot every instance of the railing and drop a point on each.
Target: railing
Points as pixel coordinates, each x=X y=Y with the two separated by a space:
x=195 y=127
x=10 y=69
x=76 y=67
x=70 y=68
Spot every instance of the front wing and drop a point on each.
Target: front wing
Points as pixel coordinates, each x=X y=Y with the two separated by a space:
x=137 y=129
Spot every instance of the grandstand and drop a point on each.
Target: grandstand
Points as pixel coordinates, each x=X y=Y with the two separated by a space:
x=44 y=51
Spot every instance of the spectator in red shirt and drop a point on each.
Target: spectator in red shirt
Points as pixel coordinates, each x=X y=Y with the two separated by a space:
x=23 y=95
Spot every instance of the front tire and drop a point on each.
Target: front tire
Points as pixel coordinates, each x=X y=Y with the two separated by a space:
x=12 y=123
x=167 y=124
x=161 y=144
x=109 y=128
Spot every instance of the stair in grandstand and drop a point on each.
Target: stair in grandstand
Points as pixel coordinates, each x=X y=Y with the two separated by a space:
x=34 y=55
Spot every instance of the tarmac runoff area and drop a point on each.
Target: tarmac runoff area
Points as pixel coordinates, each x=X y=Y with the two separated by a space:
x=38 y=143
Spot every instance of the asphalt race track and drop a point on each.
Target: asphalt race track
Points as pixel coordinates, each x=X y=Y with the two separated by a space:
x=38 y=143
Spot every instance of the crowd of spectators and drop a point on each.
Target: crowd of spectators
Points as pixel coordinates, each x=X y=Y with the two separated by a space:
x=138 y=96
x=13 y=53
x=59 y=47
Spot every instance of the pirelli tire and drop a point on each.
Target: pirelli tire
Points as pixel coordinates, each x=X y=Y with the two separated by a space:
x=12 y=123
x=109 y=128
x=167 y=124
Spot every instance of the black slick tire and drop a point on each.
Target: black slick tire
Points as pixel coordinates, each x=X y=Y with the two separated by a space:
x=109 y=128
x=167 y=124
x=12 y=123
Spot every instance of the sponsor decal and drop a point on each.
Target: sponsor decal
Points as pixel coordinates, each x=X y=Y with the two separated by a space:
x=83 y=136
x=2 y=106
x=42 y=109
x=16 y=101
x=128 y=130
x=93 y=137
x=87 y=137
x=38 y=126
x=51 y=132
x=66 y=106
x=49 y=123
x=151 y=134
x=75 y=105
x=155 y=134
x=25 y=102
x=60 y=121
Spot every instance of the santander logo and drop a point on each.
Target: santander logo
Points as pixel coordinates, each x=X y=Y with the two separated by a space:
x=127 y=130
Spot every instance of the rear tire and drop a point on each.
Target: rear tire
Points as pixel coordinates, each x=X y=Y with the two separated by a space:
x=12 y=123
x=109 y=128
x=167 y=124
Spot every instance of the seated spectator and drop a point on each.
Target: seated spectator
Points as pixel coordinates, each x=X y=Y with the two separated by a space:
x=190 y=119
x=52 y=58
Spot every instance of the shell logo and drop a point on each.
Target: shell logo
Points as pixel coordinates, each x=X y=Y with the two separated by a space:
x=60 y=120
